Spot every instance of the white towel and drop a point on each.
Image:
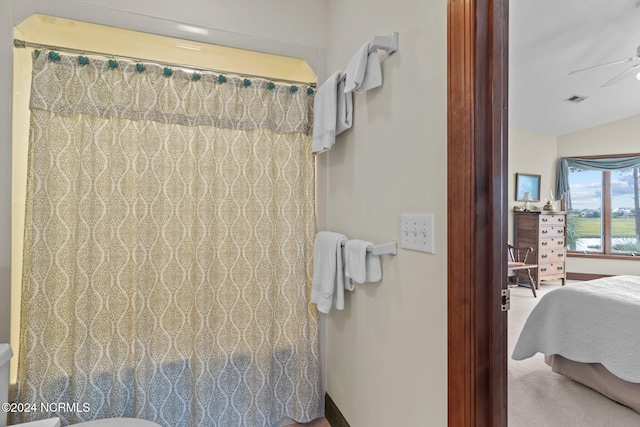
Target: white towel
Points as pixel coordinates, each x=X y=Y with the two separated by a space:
x=363 y=72
x=355 y=262
x=374 y=269
x=345 y=108
x=327 y=285
x=325 y=108
x=360 y=265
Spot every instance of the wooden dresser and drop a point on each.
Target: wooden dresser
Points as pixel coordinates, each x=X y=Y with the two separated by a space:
x=545 y=233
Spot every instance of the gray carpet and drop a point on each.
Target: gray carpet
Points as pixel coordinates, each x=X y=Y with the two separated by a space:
x=539 y=397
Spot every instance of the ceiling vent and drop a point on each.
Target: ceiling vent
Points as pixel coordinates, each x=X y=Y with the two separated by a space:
x=576 y=99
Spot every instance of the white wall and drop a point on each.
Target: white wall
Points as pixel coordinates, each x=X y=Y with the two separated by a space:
x=619 y=137
x=536 y=154
x=387 y=351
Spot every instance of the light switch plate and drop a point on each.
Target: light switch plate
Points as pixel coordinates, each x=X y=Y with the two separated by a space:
x=416 y=232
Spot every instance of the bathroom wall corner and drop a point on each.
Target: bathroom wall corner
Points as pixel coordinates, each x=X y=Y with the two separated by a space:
x=6 y=84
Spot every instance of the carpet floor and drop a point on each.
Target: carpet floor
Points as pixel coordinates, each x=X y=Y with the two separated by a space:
x=539 y=397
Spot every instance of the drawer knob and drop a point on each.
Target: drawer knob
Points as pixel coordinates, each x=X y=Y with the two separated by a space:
x=544 y=231
x=543 y=269
x=545 y=243
x=545 y=219
x=543 y=256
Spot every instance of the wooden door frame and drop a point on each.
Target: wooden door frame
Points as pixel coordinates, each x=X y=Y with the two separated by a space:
x=477 y=44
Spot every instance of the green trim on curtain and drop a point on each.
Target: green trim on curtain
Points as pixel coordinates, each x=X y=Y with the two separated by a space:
x=607 y=164
x=119 y=89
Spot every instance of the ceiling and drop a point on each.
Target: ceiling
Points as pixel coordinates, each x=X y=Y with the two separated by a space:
x=550 y=38
x=50 y=30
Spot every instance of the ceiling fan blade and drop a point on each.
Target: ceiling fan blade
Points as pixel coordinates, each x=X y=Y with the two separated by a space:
x=633 y=58
x=620 y=76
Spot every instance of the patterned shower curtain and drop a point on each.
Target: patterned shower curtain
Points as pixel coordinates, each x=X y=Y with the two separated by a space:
x=169 y=232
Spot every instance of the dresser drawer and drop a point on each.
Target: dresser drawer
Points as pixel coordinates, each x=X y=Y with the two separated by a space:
x=547 y=270
x=551 y=243
x=552 y=220
x=551 y=231
x=551 y=255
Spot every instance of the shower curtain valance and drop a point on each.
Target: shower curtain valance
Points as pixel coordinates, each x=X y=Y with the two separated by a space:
x=70 y=85
x=606 y=164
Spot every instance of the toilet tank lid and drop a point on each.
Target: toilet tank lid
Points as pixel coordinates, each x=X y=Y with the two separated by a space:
x=5 y=354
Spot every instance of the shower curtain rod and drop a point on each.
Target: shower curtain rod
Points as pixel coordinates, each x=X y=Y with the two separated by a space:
x=25 y=44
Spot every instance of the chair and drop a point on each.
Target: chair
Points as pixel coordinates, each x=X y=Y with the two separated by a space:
x=518 y=261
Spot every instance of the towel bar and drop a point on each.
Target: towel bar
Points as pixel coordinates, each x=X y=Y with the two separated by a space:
x=387 y=43
x=389 y=248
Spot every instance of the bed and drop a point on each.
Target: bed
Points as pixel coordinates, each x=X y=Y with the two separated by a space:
x=590 y=332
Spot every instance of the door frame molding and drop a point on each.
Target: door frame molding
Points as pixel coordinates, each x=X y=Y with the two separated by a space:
x=477 y=47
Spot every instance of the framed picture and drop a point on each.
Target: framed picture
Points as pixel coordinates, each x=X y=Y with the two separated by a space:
x=526 y=183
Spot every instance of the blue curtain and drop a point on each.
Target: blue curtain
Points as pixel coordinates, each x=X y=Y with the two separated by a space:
x=609 y=164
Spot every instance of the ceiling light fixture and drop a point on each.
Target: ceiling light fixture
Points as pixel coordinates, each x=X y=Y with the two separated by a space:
x=186 y=46
x=193 y=29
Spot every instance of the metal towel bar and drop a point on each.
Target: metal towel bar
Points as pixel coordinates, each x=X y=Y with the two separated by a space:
x=388 y=44
x=389 y=248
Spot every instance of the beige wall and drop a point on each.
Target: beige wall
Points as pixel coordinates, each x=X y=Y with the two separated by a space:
x=6 y=71
x=387 y=351
x=619 y=137
x=531 y=153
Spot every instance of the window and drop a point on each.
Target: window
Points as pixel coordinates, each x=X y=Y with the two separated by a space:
x=604 y=216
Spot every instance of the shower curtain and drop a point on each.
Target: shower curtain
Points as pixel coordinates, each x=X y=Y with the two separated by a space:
x=169 y=232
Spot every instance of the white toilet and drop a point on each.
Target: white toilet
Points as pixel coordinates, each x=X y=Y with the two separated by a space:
x=5 y=356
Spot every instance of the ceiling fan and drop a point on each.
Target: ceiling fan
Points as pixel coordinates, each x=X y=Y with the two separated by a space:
x=620 y=76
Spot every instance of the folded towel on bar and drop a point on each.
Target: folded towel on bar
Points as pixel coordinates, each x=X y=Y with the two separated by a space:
x=327 y=285
x=344 y=108
x=325 y=113
x=364 y=71
x=360 y=266
x=355 y=262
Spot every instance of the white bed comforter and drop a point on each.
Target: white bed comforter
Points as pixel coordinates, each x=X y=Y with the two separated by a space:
x=590 y=322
